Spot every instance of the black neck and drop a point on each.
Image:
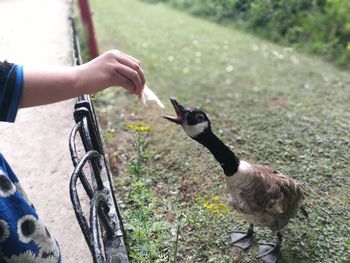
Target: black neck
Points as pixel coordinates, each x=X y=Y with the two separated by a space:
x=227 y=159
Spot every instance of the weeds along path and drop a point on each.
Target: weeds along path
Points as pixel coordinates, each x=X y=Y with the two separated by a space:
x=271 y=104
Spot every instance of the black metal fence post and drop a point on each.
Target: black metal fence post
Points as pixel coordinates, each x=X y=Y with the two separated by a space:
x=105 y=223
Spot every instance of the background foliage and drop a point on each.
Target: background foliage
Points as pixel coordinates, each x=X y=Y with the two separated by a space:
x=318 y=26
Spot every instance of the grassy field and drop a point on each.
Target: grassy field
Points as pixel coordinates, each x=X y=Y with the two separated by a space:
x=271 y=104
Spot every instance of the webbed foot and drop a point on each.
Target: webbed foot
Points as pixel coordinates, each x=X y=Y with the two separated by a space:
x=242 y=239
x=269 y=252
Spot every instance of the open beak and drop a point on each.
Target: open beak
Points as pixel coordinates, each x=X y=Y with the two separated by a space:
x=180 y=113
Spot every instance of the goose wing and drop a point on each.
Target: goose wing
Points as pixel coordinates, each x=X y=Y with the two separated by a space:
x=271 y=192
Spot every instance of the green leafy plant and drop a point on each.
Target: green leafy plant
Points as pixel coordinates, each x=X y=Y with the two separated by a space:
x=140 y=132
x=145 y=232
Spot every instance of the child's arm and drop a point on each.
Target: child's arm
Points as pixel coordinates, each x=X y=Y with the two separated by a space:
x=112 y=68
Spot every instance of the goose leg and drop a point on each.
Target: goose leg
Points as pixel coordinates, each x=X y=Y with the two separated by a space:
x=242 y=239
x=268 y=252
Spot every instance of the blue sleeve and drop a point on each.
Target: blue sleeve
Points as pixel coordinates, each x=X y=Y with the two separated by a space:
x=11 y=87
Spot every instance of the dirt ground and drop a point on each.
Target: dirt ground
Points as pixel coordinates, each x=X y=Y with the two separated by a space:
x=37 y=33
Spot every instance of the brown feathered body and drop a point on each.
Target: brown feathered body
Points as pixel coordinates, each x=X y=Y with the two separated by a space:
x=263 y=196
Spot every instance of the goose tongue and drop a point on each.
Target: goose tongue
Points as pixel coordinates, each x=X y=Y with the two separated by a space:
x=180 y=112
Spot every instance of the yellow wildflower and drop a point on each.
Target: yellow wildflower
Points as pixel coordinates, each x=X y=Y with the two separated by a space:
x=215 y=198
x=139 y=127
x=208 y=205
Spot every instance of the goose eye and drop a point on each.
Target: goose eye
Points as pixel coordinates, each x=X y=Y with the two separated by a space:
x=200 y=117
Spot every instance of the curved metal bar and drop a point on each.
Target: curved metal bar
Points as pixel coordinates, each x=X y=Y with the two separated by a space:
x=114 y=245
x=75 y=198
x=87 y=134
x=94 y=210
x=72 y=145
x=75 y=159
x=118 y=218
x=94 y=141
x=84 y=108
x=111 y=230
x=96 y=166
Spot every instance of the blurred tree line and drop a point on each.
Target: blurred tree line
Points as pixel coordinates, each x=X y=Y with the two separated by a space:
x=319 y=26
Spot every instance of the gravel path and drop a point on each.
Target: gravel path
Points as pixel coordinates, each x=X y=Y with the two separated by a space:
x=37 y=33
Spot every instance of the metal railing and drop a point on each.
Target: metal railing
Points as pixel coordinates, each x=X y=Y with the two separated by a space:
x=103 y=230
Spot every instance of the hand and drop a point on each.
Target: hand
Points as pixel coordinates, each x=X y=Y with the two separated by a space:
x=113 y=68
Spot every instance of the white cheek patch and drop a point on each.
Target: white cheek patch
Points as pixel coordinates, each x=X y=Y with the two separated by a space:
x=194 y=130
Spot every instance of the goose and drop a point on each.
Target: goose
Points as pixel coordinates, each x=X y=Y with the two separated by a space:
x=262 y=195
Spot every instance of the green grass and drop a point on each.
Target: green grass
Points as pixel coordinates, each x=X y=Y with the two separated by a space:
x=271 y=104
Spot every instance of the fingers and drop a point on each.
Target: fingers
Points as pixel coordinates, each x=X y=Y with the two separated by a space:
x=129 y=68
x=131 y=78
x=132 y=63
x=125 y=83
x=130 y=57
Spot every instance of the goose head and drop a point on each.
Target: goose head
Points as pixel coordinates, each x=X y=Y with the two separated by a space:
x=194 y=121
